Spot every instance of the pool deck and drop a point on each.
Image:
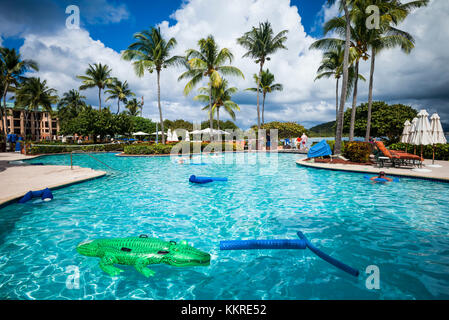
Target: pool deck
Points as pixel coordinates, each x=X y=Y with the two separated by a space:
x=440 y=174
x=18 y=179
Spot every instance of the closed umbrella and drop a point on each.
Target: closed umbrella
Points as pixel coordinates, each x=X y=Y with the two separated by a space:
x=187 y=136
x=437 y=135
x=423 y=134
x=169 y=135
x=174 y=136
x=412 y=130
x=406 y=132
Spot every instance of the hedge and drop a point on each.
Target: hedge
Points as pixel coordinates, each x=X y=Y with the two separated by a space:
x=357 y=151
x=58 y=148
x=167 y=149
x=441 y=150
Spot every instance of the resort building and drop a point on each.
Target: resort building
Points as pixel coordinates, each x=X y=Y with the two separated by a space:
x=31 y=124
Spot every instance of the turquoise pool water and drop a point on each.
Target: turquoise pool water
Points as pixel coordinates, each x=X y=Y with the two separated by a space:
x=403 y=228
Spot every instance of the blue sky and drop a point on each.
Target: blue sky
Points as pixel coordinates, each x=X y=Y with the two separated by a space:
x=149 y=13
x=37 y=29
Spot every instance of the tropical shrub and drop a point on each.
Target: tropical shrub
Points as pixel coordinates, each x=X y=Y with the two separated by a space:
x=357 y=151
x=441 y=150
x=168 y=148
x=61 y=148
x=387 y=120
x=285 y=129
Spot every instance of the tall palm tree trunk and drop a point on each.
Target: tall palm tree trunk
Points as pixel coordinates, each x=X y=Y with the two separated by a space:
x=258 y=105
x=211 y=116
x=370 y=95
x=118 y=106
x=99 y=98
x=336 y=104
x=159 y=104
x=263 y=108
x=218 y=118
x=5 y=113
x=337 y=148
x=354 y=102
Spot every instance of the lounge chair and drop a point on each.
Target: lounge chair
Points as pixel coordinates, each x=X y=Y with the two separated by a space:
x=397 y=158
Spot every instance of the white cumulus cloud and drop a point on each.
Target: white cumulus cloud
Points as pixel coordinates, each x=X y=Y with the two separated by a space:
x=67 y=53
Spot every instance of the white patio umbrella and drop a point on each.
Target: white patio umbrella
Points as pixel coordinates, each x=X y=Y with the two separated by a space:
x=169 y=135
x=423 y=134
x=437 y=135
x=437 y=130
x=159 y=132
x=406 y=132
x=412 y=131
x=140 y=133
x=174 y=136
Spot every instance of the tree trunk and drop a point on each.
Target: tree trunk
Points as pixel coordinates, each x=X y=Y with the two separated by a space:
x=99 y=98
x=336 y=105
x=211 y=116
x=263 y=108
x=337 y=148
x=218 y=117
x=118 y=106
x=370 y=95
x=5 y=113
x=354 y=103
x=36 y=126
x=258 y=104
x=159 y=104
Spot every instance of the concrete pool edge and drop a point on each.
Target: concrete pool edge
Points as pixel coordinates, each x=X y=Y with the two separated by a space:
x=92 y=176
x=374 y=170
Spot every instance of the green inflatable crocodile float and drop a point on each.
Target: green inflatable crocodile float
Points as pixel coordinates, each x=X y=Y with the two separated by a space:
x=141 y=252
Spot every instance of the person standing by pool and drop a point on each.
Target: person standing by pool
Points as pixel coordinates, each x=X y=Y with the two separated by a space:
x=268 y=144
x=304 y=139
x=298 y=143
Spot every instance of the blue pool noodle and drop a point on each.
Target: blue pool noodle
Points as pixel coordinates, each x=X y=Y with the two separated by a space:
x=43 y=194
x=214 y=178
x=302 y=243
x=327 y=257
x=262 y=244
x=203 y=180
x=199 y=180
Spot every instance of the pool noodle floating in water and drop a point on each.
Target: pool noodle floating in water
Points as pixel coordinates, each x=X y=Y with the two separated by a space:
x=303 y=243
x=45 y=195
x=203 y=180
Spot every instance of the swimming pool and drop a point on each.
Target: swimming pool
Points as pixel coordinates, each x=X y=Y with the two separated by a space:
x=400 y=227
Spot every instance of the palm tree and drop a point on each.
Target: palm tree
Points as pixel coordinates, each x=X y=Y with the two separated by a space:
x=332 y=63
x=344 y=6
x=261 y=43
x=70 y=105
x=221 y=98
x=120 y=91
x=392 y=12
x=208 y=62
x=97 y=75
x=152 y=52
x=266 y=86
x=34 y=95
x=12 y=68
x=134 y=107
x=332 y=66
